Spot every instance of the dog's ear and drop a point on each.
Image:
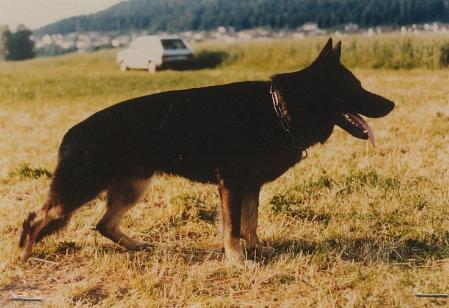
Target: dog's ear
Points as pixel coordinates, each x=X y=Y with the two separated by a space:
x=337 y=52
x=326 y=52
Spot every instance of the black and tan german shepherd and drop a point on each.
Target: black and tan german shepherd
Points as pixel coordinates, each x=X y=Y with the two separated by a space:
x=238 y=136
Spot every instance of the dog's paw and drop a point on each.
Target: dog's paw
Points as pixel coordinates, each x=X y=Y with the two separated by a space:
x=24 y=256
x=235 y=258
x=141 y=245
x=250 y=265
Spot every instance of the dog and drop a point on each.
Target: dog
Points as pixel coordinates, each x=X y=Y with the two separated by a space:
x=237 y=136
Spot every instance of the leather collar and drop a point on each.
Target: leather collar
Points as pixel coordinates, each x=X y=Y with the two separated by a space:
x=280 y=107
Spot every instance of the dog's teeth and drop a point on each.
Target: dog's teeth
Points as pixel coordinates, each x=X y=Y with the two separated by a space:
x=354 y=123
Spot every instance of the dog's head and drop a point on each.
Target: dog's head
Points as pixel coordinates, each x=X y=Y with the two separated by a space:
x=331 y=95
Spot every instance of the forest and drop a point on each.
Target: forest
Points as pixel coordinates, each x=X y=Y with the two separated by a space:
x=183 y=15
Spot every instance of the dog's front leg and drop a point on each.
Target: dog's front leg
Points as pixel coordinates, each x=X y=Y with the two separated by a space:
x=249 y=217
x=231 y=194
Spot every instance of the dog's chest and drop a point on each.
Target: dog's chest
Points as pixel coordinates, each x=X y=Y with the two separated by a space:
x=270 y=166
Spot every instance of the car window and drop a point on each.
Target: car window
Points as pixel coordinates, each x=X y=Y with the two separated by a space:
x=170 y=44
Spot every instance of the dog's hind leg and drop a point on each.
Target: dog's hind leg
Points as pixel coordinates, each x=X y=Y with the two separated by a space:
x=122 y=196
x=249 y=216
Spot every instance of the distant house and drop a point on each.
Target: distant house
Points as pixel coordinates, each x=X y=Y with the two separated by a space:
x=311 y=29
x=351 y=28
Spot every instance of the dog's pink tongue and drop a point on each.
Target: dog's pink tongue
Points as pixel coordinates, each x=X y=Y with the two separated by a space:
x=365 y=126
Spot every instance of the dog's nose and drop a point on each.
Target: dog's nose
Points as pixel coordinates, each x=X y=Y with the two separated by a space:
x=389 y=106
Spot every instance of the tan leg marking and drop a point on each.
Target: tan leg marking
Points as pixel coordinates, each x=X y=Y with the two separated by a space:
x=233 y=250
x=250 y=214
x=231 y=202
x=122 y=196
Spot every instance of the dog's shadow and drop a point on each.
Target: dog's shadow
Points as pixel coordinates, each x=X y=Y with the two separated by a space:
x=202 y=60
x=404 y=251
x=409 y=251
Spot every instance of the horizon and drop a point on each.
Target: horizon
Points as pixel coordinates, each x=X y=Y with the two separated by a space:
x=38 y=13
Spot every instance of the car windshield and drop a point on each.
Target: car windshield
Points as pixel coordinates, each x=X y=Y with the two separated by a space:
x=171 y=44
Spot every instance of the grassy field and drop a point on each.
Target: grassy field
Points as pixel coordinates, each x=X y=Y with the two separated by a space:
x=352 y=225
x=390 y=51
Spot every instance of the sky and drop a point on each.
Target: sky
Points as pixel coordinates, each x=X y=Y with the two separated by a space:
x=37 y=13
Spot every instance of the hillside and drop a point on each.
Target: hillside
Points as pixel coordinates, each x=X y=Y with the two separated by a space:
x=180 y=15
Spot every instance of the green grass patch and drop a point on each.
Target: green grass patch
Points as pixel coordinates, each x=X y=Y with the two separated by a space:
x=25 y=171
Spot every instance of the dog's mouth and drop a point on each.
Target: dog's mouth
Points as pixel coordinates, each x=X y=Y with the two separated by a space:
x=356 y=126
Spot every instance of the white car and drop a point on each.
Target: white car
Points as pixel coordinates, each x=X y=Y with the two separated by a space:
x=152 y=51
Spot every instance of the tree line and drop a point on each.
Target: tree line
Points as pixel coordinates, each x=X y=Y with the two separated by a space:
x=16 y=45
x=181 y=15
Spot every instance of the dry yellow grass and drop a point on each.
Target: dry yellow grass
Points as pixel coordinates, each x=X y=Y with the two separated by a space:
x=351 y=225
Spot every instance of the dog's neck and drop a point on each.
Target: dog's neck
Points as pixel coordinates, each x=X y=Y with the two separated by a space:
x=281 y=109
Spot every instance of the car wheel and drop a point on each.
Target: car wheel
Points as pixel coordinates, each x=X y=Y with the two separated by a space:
x=152 y=67
x=123 y=66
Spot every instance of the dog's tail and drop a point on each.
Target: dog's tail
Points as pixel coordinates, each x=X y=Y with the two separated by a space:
x=45 y=221
x=29 y=225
